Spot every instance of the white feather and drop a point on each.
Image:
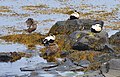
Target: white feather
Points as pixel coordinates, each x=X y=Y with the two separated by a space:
x=97 y=27
x=75 y=14
x=50 y=37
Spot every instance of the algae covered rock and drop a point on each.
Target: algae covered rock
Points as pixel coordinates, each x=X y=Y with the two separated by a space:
x=115 y=41
x=69 y=26
x=86 y=40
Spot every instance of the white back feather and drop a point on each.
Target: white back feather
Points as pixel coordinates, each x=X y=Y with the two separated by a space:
x=97 y=27
x=75 y=14
x=50 y=37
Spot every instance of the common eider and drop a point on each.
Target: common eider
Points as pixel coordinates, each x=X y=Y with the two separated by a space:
x=97 y=28
x=74 y=15
x=49 y=39
x=32 y=26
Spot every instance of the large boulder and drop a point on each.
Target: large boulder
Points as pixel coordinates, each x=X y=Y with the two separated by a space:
x=69 y=26
x=115 y=41
x=86 y=40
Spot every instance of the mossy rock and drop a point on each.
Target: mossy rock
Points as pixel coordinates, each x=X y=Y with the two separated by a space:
x=86 y=40
x=69 y=26
x=115 y=41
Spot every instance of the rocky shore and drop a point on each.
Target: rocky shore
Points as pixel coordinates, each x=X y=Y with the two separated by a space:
x=76 y=49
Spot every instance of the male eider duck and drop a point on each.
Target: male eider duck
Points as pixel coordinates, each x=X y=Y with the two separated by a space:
x=32 y=26
x=49 y=39
x=74 y=15
x=97 y=28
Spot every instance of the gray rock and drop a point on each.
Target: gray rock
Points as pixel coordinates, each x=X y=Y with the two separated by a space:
x=86 y=40
x=51 y=49
x=40 y=66
x=115 y=64
x=91 y=74
x=84 y=63
x=69 y=26
x=115 y=41
x=111 y=68
x=27 y=69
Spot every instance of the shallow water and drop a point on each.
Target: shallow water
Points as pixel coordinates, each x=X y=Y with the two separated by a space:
x=11 y=47
x=10 y=24
x=7 y=69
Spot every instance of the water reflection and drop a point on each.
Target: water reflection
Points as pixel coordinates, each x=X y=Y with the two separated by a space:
x=14 y=68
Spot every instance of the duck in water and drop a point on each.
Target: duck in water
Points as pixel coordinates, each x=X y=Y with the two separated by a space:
x=32 y=26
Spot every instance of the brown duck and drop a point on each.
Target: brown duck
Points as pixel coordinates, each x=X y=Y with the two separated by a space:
x=32 y=26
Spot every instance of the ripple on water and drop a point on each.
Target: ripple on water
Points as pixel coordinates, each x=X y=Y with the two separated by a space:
x=14 y=68
x=11 y=47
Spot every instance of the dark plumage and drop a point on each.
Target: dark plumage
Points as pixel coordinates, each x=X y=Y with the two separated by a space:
x=32 y=26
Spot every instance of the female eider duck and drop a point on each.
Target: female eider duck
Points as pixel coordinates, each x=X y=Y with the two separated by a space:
x=74 y=15
x=49 y=39
x=32 y=26
x=97 y=28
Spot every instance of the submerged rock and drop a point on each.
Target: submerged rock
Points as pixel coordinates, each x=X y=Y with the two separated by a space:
x=69 y=26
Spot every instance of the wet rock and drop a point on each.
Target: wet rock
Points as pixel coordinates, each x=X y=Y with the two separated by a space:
x=11 y=56
x=52 y=49
x=52 y=72
x=111 y=68
x=60 y=60
x=115 y=40
x=33 y=74
x=84 y=63
x=114 y=64
x=92 y=74
x=64 y=53
x=105 y=57
x=27 y=69
x=86 y=40
x=69 y=26
x=5 y=58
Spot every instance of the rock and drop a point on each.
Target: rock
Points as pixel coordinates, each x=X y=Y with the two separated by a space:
x=5 y=58
x=11 y=56
x=115 y=40
x=27 y=69
x=52 y=49
x=86 y=40
x=115 y=64
x=39 y=66
x=69 y=26
x=111 y=68
x=105 y=57
x=84 y=63
x=64 y=53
